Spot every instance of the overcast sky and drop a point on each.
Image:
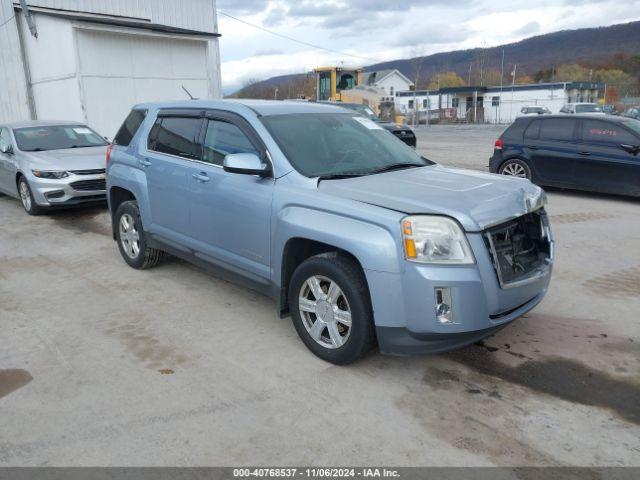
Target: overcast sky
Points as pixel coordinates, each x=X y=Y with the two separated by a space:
x=378 y=30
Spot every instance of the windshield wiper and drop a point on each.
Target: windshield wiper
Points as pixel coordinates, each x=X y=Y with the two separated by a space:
x=337 y=176
x=395 y=166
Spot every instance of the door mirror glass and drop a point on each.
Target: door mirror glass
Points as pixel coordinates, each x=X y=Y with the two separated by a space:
x=245 y=164
x=5 y=148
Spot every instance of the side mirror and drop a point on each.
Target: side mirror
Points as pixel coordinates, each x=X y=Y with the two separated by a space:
x=6 y=148
x=245 y=164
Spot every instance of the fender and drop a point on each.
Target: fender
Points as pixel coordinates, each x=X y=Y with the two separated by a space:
x=373 y=245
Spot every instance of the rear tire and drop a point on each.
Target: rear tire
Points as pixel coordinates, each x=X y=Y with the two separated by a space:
x=26 y=198
x=335 y=322
x=131 y=239
x=515 y=167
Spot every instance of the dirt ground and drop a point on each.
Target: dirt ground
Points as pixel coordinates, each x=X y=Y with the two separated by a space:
x=104 y=365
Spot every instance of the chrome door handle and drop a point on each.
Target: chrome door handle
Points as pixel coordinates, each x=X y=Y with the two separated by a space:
x=144 y=162
x=201 y=177
x=584 y=154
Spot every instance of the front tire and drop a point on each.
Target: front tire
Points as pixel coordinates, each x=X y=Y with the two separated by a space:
x=131 y=239
x=515 y=167
x=331 y=308
x=26 y=198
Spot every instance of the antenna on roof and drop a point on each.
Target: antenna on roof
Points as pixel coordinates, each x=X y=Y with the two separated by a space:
x=188 y=93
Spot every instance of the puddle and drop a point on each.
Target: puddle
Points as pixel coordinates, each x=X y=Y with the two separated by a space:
x=12 y=380
x=562 y=378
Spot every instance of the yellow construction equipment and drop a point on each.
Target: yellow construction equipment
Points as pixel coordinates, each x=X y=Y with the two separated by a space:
x=332 y=81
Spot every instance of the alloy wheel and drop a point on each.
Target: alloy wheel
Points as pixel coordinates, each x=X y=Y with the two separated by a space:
x=25 y=196
x=129 y=236
x=325 y=312
x=514 y=170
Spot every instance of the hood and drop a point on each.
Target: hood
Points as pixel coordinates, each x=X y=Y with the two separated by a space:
x=477 y=200
x=87 y=158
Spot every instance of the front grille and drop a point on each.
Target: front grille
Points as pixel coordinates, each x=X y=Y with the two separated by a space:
x=89 y=185
x=520 y=249
x=97 y=171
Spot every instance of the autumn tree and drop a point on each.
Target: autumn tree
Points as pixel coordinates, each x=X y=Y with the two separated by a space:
x=524 y=79
x=444 y=80
x=571 y=73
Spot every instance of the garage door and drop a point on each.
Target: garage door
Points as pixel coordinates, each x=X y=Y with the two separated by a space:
x=119 y=70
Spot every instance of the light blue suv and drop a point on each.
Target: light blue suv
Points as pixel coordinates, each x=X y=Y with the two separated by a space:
x=356 y=236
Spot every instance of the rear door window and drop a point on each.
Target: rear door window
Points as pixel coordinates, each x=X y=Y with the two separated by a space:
x=177 y=136
x=561 y=129
x=130 y=127
x=595 y=131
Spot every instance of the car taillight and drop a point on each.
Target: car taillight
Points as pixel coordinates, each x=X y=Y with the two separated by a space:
x=499 y=144
x=109 y=149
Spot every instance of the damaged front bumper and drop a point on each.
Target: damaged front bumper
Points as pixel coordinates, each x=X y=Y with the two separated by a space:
x=483 y=297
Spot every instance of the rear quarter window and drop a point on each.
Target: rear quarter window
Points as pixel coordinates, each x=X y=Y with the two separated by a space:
x=130 y=127
x=516 y=130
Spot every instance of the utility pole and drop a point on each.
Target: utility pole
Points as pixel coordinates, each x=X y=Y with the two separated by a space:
x=501 y=83
x=275 y=94
x=513 y=83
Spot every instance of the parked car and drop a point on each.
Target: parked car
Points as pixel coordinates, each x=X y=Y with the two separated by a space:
x=582 y=109
x=610 y=109
x=632 y=113
x=533 y=110
x=351 y=232
x=595 y=153
x=402 y=131
x=52 y=165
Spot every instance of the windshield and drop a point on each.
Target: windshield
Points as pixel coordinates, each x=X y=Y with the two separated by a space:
x=633 y=125
x=57 y=137
x=364 y=111
x=587 y=108
x=327 y=144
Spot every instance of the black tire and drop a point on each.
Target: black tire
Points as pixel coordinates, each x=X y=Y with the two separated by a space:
x=31 y=207
x=515 y=164
x=146 y=257
x=350 y=278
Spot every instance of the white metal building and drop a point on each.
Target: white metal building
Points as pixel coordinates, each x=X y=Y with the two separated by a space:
x=496 y=104
x=91 y=60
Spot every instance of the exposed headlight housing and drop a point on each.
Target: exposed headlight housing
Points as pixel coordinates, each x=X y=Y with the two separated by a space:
x=49 y=174
x=435 y=239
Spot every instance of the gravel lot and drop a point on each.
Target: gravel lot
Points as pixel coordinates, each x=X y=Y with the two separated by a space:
x=104 y=365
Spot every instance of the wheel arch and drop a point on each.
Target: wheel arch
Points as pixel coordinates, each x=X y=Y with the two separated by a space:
x=295 y=252
x=117 y=196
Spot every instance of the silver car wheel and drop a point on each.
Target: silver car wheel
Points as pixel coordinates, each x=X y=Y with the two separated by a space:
x=129 y=236
x=25 y=196
x=514 y=170
x=325 y=312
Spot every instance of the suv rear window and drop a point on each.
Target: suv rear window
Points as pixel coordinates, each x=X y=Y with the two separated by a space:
x=130 y=127
x=557 y=129
x=177 y=136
